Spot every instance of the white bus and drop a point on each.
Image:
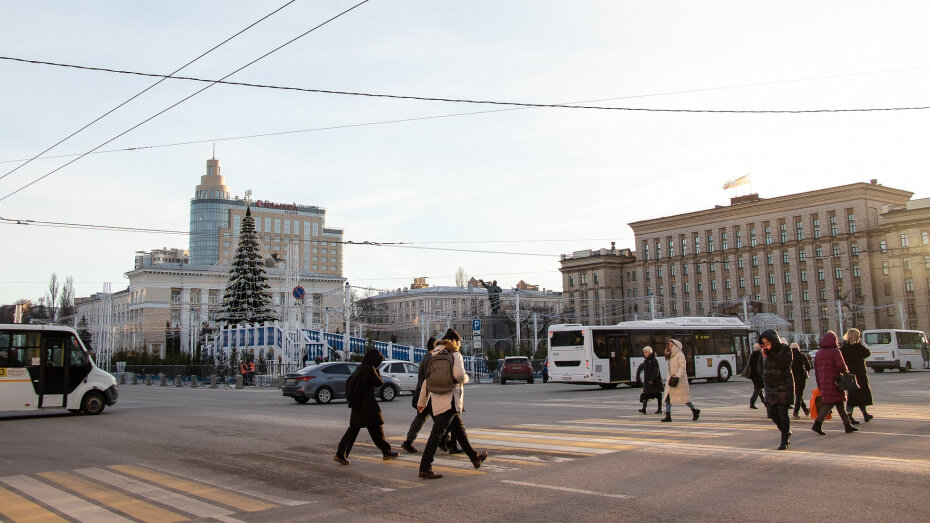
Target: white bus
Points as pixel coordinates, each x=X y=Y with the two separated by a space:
x=896 y=349
x=47 y=367
x=715 y=348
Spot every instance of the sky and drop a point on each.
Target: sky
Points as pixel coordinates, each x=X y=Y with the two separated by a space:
x=520 y=185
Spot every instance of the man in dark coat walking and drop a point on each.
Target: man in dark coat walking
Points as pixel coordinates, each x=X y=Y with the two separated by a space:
x=420 y=419
x=775 y=369
x=755 y=376
x=360 y=395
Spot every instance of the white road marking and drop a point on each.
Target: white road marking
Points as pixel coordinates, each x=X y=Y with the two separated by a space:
x=62 y=501
x=241 y=490
x=566 y=489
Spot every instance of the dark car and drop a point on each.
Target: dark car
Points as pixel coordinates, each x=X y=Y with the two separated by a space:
x=325 y=382
x=516 y=368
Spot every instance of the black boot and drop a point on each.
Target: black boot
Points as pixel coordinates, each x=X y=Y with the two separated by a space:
x=667 y=418
x=850 y=428
x=784 y=440
x=868 y=417
x=851 y=420
x=818 y=428
x=642 y=410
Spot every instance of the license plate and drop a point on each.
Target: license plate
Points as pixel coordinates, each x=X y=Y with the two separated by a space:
x=290 y=381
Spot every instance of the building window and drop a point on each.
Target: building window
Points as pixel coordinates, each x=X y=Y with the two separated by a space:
x=768 y=234
x=836 y=250
x=723 y=240
x=820 y=275
x=687 y=287
x=571 y=280
x=818 y=251
x=710 y=242
x=854 y=249
x=906 y=262
x=885 y=269
x=788 y=297
x=671 y=270
x=787 y=277
x=783 y=232
x=596 y=279
x=798 y=229
x=816 y=224
x=833 y=228
x=805 y=296
x=769 y=259
x=742 y=282
x=713 y=266
x=726 y=284
x=584 y=279
x=713 y=285
x=671 y=249
x=904 y=242
x=755 y=260
x=851 y=222
x=908 y=285
x=752 y=237
x=771 y=279
x=739 y=262
x=803 y=275
x=697 y=244
x=856 y=272
x=697 y=266
x=684 y=246
x=924 y=238
x=700 y=286
x=838 y=273
x=755 y=280
x=823 y=294
x=659 y=272
x=739 y=238
x=674 y=290
x=883 y=246
x=645 y=250
x=927 y=263
x=802 y=256
x=887 y=289
x=784 y=257
x=658 y=251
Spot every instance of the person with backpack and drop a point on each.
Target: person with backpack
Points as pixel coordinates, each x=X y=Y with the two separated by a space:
x=360 y=396
x=443 y=392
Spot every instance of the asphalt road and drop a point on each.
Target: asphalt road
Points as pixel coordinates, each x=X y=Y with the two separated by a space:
x=558 y=452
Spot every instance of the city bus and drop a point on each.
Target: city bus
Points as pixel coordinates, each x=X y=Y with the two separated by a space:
x=45 y=367
x=896 y=349
x=607 y=355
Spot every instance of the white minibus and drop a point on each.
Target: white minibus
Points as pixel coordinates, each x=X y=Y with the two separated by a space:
x=896 y=349
x=47 y=367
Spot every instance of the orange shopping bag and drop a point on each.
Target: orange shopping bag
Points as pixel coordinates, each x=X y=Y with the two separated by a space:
x=815 y=404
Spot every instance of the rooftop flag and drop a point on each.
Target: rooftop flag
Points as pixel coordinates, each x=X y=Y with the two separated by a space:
x=742 y=180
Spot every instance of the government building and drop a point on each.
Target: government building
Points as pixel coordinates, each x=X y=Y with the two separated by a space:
x=174 y=292
x=856 y=255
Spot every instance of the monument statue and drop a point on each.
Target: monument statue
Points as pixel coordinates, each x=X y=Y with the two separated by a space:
x=494 y=295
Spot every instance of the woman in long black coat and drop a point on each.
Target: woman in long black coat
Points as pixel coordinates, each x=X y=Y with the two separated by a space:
x=755 y=376
x=360 y=395
x=800 y=369
x=652 y=380
x=855 y=354
x=779 y=382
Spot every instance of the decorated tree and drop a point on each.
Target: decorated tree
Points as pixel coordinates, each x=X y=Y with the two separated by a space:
x=247 y=299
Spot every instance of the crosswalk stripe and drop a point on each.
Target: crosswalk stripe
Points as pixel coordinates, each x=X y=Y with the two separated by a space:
x=267 y=497
x=560 y=455
x=62 y=501
x=18 y=508
x=180 y=502
x=239 y=501
x=621 y=429
x=127 y=505
x=529 y=443
x=692 y=428
x=436 y=468
x=580 y=440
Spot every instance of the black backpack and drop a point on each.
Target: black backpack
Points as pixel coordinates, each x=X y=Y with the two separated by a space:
x=439 y=378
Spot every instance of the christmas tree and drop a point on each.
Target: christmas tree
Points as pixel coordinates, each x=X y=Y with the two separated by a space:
x=247 y=299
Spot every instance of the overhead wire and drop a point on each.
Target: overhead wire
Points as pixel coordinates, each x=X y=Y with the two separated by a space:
x=186 y=98
x=140 y=93
x=223 y=81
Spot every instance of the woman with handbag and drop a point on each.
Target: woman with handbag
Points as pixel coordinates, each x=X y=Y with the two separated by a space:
x=779 y=382
x=676 y=386
x=652 y=380
x=855 y=354
x=828 y=365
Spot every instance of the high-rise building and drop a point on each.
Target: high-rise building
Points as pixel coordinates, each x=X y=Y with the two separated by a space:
x=215 y=218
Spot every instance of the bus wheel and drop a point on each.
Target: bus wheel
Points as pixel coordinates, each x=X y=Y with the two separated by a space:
x=608 y=385
x=879 y=370
x=906 y=367
x=93 y=403
x=723 y=372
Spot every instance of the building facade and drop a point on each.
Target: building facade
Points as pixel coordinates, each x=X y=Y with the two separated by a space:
x=159 y=256
x=593 y=284
x=215 y=218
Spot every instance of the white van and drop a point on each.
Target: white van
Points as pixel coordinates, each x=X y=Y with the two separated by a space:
x=47 y=367
x=896 y=349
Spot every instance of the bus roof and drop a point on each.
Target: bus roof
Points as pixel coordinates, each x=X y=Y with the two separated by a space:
x=688 y=321
x=35 y=327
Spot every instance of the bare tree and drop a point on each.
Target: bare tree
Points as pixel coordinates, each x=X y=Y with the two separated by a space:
x=66 y=301
x=51 y=297
x=461 y=280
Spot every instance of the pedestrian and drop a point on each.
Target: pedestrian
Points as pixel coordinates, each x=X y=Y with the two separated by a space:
x=652 y=380
x=545 y=370
x=828 y=365
x=800 y=370
x=775 y=368
x=855 y=353
x=420 y=419
x=360 y=395
x=755 y=376
x=676 y=385
x=443 y=391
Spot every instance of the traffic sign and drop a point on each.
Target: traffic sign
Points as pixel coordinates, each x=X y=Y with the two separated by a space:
x=476 y=325
x=298 y=292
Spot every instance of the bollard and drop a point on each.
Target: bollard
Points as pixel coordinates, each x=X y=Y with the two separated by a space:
x=239 y=381
x=280 y=382
x=162 y=380
x=213 y=381
x=135 y=379
x=194 y=381
x=148 y=379
x=178 y=381
x=122 y=378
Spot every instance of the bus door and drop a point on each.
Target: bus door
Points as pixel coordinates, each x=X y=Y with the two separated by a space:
x=687 y=347
x=53 y=372
x=618 y=348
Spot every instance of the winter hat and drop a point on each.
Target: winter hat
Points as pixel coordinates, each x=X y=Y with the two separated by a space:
x=431 y=343
x=647 y=350
x=828 y=341
x=676 y=343
x=452 y=335
x=772 y=336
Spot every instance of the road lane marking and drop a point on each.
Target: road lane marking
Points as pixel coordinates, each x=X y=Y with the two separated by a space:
x=18 y=508
x=436 y=468
x=531 y=444
x=701 y=428
x=620 y=429
x=569 y=439
x=127 y=505
x=180 y=502
x=234 y=488
x=565 y=489
x=62 y=501
x=238 y=501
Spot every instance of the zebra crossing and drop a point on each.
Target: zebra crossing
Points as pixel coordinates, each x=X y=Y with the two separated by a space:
x=129 y=493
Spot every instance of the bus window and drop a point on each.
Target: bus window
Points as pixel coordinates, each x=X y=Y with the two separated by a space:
x=640 y=339
x=703 y=343
x=600 y=346
x=56 y=353
x=909 y=340
x=878 y=338
x=567 y=339
x=78 y=357
x=722 y=343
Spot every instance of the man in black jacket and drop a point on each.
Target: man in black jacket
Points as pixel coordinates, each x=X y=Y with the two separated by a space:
x=421 y=417
x=779 y=382
x=360 y=395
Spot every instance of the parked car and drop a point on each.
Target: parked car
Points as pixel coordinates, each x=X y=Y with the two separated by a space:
x=404 y=372
x=327 y=381
x=516 y=368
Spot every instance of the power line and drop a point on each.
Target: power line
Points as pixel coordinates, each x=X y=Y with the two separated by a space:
x=473 y=101
x=140 y=93
x=186 y=98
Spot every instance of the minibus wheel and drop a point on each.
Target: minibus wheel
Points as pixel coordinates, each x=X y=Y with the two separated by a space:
x=93 y=403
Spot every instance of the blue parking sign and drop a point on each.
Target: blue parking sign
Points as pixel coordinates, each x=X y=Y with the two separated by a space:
x=476 y=325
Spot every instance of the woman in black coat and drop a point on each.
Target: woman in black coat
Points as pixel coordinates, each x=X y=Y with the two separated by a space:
x=652 y=380
x=779 y=383
x=360 y=395
x=855 y=354
x=800 y=369
x=755 y=376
